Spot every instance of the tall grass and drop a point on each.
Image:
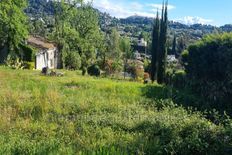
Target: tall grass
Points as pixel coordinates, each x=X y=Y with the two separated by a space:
x=84 y=115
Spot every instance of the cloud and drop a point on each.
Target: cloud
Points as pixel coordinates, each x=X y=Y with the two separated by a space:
x=159 y=6
x=123 y=9
x=137 y=5
x=189 y=20
x=120 y=9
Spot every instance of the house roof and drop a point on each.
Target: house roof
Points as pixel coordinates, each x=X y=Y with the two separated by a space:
x=40 y=43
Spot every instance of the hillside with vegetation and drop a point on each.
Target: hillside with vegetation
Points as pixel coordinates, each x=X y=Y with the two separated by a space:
x=93 y=93
x=133 y=27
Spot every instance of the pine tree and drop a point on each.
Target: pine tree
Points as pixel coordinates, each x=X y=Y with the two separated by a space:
x=155 y=47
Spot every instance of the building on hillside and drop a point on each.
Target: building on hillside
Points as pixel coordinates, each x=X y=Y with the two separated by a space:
x=47 y=54
x=141 y=46
x=171 y=59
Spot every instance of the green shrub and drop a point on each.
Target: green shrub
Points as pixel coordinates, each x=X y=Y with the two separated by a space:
x=184 y=58
x=14 y=63
x=72 y=61
x=29 y=65
x=208 y=68
x=179 y=79
x=94 y=70
x=176 y=78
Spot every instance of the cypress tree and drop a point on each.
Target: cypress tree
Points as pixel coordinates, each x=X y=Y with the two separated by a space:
x=155 y=46
x=162 y=42
x=174 y=45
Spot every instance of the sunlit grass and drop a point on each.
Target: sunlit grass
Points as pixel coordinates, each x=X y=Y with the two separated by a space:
x=77 y=115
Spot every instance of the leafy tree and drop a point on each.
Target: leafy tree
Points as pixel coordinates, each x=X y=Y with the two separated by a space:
x=125 y=47
x=63 y=13
x=13 y=29
x=72 y=60
x=114 y=45
x=86 y=24
x=38 y=27
x=114 y=53
x=77 y=28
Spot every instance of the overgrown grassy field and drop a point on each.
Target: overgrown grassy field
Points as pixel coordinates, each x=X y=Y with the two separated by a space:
x=84 y=115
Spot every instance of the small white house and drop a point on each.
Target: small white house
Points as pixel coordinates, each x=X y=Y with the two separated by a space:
x=46 y=55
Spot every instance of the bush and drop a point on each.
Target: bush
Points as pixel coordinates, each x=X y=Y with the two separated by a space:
x=72 y=61
x=29 y=65
x=94 y=70
x=209 y=66
x=184 y=58
x=112 y=67
x=176 y=78
x=14 y=63
x=179 y=79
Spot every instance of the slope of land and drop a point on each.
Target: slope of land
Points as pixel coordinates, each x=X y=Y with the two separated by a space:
x=75 y=114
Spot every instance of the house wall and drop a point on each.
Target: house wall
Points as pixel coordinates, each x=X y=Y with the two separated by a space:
x=46 y=58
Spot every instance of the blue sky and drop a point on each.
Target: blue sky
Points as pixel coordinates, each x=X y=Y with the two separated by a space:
x=215 y=12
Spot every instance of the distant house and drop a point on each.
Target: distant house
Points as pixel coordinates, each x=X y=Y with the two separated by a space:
x=46 y=53
x=141 y=46
x=171 y=59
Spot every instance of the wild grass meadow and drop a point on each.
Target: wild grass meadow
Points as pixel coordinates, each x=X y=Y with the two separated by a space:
x=85 y=115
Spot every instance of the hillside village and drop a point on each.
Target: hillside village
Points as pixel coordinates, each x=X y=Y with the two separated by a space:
x=136 y=28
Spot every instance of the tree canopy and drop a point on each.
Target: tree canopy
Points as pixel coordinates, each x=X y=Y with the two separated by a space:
x=13 y=27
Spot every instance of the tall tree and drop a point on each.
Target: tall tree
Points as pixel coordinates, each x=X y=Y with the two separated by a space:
x=125 y=47
x=159 y=41
x=155 y=47
x=162 y=60
x=63 y=13
x=174 y=45
x=181 y=46
x=114 y=53
x=86 y=24
x=114 y=45
x=13 y=29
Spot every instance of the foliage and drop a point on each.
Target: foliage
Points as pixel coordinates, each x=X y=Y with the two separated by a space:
x=159 y=43
x=174 y=45
x=155 y=48
x=29 y=65
x=162 y=52
x=14 y=63
x=94 y=70
x=176 y=79
x=27 y=53
x=147 y=65
x=184 y=58
x=72 y=60
x=77 y=29
x=114 y=44
x=125 y=47
x=84 y=115
x=208 y=68
x=13 y=29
